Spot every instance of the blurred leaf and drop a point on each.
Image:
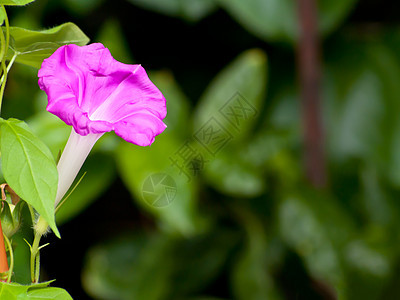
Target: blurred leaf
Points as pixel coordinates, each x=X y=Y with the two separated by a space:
x=192 y=10
x=251 y=277
x=129 y=268
x=51 y=130
x=333 y=13
x=362 y=105
x=15 y=2
x=124 y=267
x=230 y=175
x=369 y=261
x=316 y=227
x=100 y=174
x=29 y=168
x=355 y=132
x=138 y=165
x=376 y=204
x=111 y=36
x=82 y=7
x=277 y=20
x=212 y=250
x=177 y=103
x=234 y=98
x=224 y=117
x=32 y=47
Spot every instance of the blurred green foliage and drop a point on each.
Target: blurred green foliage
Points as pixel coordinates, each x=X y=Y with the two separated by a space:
x=244 y=222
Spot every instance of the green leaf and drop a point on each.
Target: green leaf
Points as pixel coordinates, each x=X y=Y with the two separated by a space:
x=32 y=47
x=233 y=100
x=15 y=291
x=47 y=293
x=192 y=10
x=277 y=20
x=11 y=291
x=29 y=168
x=15 y=2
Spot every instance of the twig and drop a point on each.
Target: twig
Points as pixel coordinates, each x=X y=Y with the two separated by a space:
x=310 y=77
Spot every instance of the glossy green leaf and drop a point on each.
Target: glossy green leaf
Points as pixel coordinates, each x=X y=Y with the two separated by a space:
x=138 y=165
x=15 y=2
x=32 y=47
x=192 y=10
x=29 y=168
x=277 y=20
x=233 y=100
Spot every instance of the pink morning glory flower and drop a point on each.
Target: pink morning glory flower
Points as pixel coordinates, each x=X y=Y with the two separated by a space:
x=88 y=89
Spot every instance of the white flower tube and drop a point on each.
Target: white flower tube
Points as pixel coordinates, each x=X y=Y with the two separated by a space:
x=74 y=155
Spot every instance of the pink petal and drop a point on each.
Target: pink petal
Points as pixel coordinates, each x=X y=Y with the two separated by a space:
x=88 y=89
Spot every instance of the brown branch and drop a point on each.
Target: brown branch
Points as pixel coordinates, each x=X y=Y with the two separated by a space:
x=310 y=78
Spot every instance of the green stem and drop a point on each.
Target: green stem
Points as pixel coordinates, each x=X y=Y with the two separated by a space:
x=34 y=262
x=3 y=53
x=3 y=45
x=11 y=251
x=37 y=266
x=7 y=29
x=3 y=85
x=8 y=67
